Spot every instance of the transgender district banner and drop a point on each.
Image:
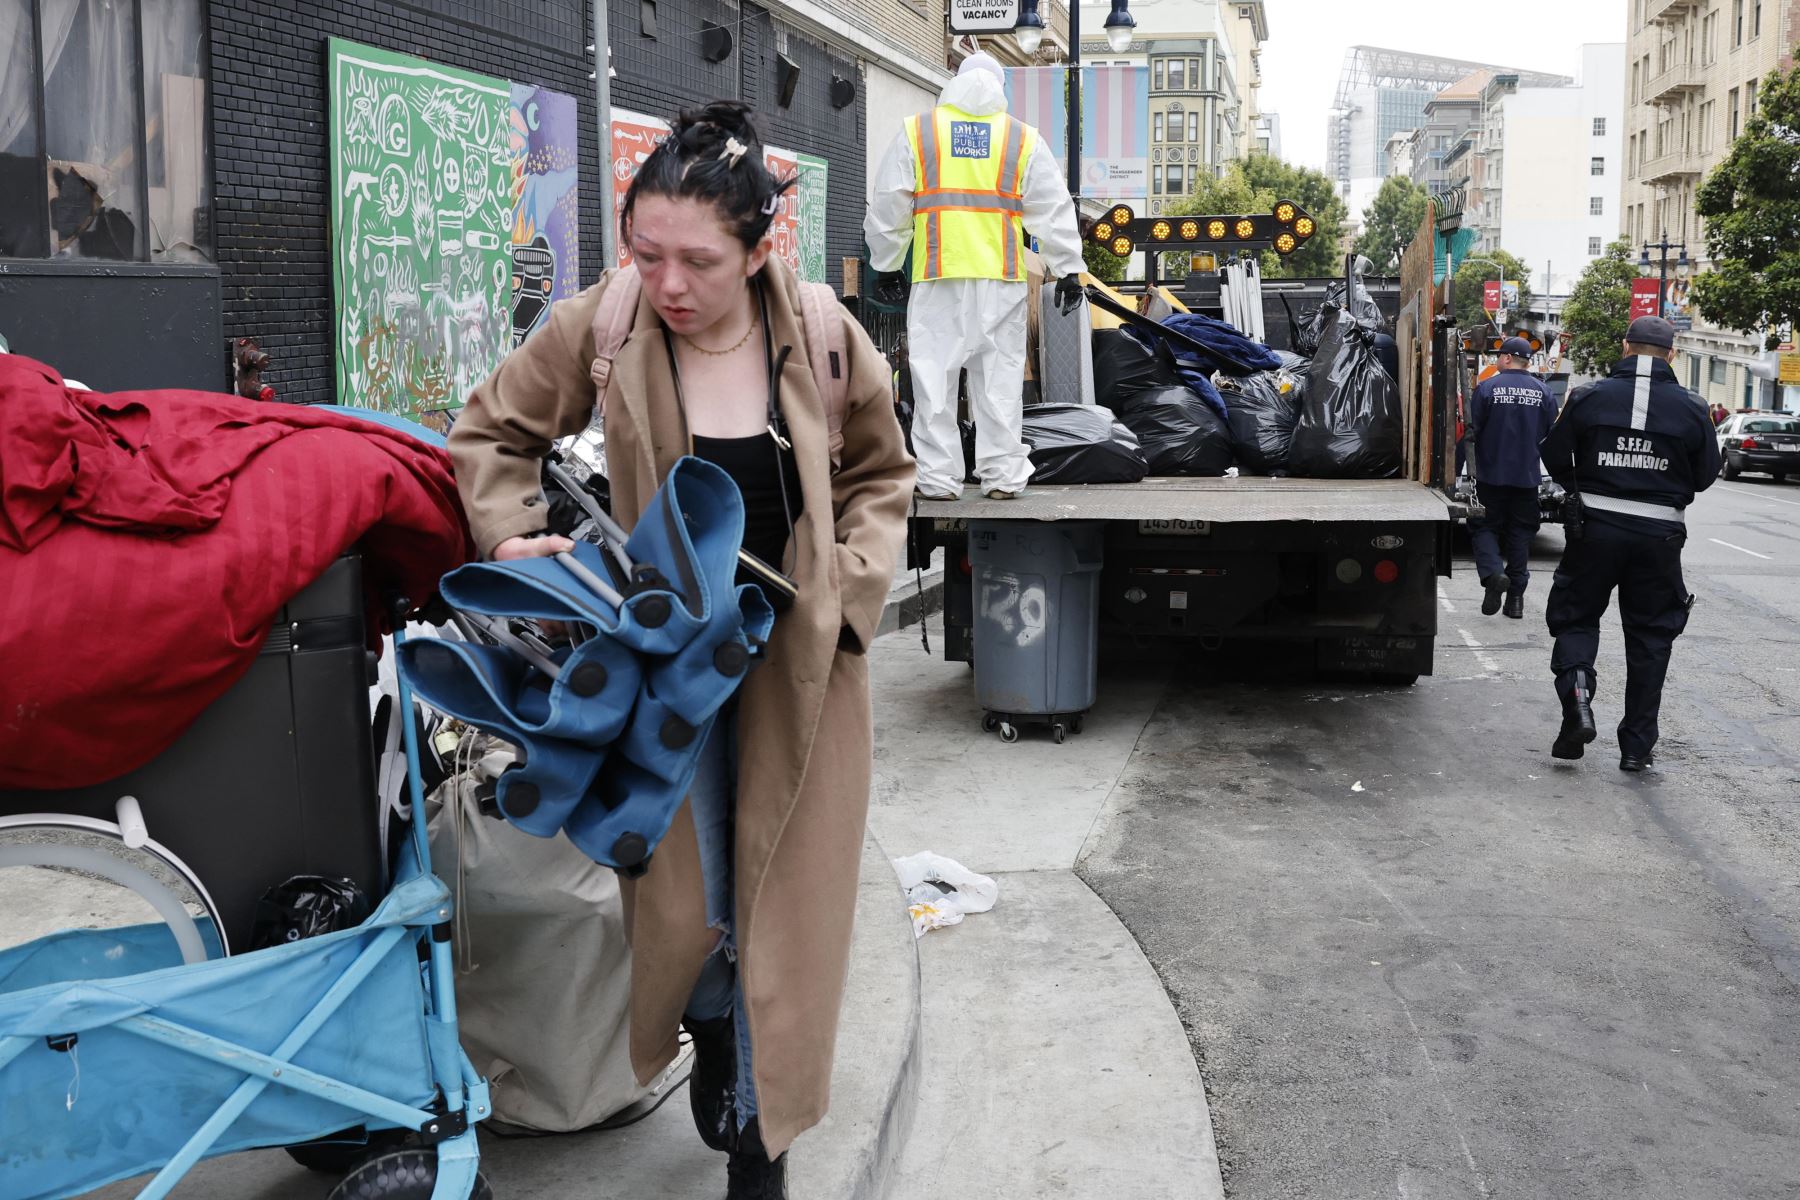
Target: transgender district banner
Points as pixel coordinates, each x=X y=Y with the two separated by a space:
x=1115 y=106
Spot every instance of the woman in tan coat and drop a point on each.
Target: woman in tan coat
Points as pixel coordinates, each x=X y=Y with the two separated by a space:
x=740 y=929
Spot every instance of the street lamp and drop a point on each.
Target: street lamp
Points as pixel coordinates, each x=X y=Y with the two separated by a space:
x=1030 y=28
x=1681 y=267
x=1030 y=31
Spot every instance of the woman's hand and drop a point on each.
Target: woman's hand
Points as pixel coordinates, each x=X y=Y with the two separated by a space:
x=531 y=547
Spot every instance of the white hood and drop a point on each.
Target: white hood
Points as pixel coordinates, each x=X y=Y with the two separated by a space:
x=978 y=93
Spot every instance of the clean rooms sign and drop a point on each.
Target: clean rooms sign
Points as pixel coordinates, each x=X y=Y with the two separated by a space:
x=983 y=16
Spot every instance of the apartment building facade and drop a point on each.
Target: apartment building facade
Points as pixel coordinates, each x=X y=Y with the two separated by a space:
x=1694 y=71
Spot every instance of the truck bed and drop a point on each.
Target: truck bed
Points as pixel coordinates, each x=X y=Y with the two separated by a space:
x=1247 y=498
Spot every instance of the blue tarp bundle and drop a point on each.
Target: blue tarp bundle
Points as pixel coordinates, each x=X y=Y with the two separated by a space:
x=609 y=732
x=1226 y=350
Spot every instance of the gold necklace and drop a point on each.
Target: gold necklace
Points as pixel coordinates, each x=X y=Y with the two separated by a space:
x=732 y=349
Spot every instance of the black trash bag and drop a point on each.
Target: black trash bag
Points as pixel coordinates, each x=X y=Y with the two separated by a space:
x=1081 y=443
x=306 y=906
x=1264 y=408
x=1178 y=432
x=1124 y=368
x=1350 y=423
x=1306 y=333
x=1294 y=364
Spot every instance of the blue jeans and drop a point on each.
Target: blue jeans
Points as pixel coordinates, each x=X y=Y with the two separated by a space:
x=719 y=992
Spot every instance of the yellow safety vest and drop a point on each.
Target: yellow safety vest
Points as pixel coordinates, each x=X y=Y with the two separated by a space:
x=969 y=194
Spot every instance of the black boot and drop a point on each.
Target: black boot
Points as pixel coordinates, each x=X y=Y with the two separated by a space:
x=749 y=1174
x=1578 y=722
x=712 y=1085
x=1515 y=605
x=1496 y=586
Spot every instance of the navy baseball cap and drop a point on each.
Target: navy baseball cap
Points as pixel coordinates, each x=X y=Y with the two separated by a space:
x=1651 y=331
x=1518 y=347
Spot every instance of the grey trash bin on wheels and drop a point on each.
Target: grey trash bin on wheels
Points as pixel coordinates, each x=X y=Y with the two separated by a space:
x=1037 y=612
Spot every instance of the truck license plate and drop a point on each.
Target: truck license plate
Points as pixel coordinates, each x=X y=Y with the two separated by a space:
x=1175 y=528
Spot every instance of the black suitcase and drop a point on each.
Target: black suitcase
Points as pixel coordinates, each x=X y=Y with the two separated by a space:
x=277 y=777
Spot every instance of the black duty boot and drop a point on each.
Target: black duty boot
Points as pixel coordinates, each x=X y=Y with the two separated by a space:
x=1496 y=586
x=1515 y=605
x=1637 y=762
x=712 y=1085
x=1578 y=723
x=749 y=1173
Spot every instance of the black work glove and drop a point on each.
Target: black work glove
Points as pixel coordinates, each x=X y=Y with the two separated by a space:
x=1068 y=294
x=890 y=287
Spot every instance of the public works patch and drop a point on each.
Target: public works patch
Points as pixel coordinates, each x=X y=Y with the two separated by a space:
x=970 y=139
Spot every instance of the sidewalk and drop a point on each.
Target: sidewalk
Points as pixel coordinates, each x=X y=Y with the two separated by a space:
x=1030 y=1051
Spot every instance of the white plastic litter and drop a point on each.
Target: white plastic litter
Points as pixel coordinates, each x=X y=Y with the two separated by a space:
x=941 y=891
x=1357 y=786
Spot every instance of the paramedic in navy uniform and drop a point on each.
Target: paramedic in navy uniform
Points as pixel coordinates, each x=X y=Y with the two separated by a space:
x=1632 y=450
x=1509 y=415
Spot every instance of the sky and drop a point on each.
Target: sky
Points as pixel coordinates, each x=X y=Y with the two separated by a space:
x=1308 y=38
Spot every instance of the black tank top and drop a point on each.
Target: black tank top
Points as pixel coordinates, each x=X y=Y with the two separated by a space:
x=764 y=473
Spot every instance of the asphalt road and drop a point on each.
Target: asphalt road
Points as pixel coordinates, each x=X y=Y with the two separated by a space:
x=1416 y=957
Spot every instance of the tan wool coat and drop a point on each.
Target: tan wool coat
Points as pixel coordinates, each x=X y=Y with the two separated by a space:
x=804 y=727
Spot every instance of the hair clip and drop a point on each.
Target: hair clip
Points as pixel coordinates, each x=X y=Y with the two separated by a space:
x=771 y=204
x=734 y=150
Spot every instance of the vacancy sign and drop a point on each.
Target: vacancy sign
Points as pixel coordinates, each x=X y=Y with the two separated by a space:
x=983 y=16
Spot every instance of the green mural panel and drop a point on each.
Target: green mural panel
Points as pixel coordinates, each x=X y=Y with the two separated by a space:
x=422 y=219
x=813 y=172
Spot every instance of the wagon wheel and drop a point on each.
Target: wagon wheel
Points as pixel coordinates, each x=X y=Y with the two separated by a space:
x=400 y=1175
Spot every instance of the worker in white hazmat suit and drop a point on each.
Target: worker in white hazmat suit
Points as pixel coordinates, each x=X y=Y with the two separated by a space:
x=960 y=187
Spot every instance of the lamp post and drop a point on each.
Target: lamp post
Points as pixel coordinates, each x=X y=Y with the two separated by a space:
x=1681 y=266
x=1030 y=32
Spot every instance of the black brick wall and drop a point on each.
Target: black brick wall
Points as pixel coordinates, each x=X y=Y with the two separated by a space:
x=271 y=135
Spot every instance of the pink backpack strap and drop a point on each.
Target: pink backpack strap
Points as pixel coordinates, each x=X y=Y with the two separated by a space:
x=822 y=321
x=612 y=326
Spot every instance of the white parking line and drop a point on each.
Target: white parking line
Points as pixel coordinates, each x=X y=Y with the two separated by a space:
x=1756 y=495
x=1444 y=599
x=1729 y=546
x=1488 y=662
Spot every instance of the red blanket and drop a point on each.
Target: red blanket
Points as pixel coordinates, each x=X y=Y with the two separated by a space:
x=147 y=540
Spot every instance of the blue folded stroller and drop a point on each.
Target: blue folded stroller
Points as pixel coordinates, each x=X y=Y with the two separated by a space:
x=609 y=728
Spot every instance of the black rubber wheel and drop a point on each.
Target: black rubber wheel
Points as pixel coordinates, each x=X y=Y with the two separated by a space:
x=1729 y=470
x=338 y=1153
x=1779 y=477
x=400 y=1175
x=1059 y=733
x=990 y=723
x=1009 y=733
x=1077 y=723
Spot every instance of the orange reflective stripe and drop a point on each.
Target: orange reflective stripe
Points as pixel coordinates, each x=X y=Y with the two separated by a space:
x=1012 y=159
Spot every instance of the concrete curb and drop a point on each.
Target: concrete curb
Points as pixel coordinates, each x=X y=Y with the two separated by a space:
x=853 y=1153
x=907 y=604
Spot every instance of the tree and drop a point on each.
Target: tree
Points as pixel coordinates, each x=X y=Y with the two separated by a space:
x=1599 y=309
x=1323 y=254
x=1391 y=222
x=1752 y=213
x=1102 y=263
x=1475 y=272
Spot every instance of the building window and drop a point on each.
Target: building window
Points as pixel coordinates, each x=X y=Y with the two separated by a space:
x=1157 y=72
x=1156 y=127
x=1593 y=247
x=81 y=176
x=1694 y=372
x=1718 y=369
x=1156 y=177
x=1177 y=75
x=1194 y=74
x=1749 y=99
x=1596 y=206
x=1596 y=166
x=1193 y=127
x=1634 y=83
x=1755 y=18
x=1177 y=183
x=1599 y=126
x=1737 y=22
x=1733 y=115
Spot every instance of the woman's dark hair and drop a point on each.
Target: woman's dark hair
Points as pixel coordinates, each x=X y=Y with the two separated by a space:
x=713 y=154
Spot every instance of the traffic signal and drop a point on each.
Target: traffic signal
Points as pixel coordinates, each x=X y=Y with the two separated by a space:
x=1284 y=229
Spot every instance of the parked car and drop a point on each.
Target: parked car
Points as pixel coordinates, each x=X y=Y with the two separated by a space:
x=1759 y=441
